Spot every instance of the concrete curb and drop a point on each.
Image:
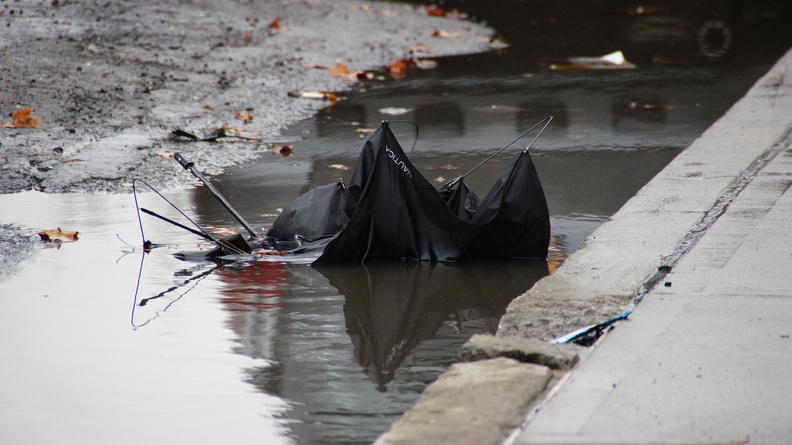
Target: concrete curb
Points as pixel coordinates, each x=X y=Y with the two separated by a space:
x=614 y=267
x=463 y=407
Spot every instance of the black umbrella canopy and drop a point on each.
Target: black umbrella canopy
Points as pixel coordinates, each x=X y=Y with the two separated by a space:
x=390 y=210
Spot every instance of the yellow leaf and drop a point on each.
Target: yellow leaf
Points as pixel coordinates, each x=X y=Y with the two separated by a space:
x=22 y=119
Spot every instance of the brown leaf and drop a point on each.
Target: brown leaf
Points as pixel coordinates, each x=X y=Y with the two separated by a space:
x=437 y=12
x=58 y=235
x=276 y=25
x=283 y=150
x=243 y=116
x=22 y=119
x=165 y=154
x=448 y=167
x=208 y=107
x=340 y=70
x=398 y=70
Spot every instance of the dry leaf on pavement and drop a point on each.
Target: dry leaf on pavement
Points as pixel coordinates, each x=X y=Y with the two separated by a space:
x=22 y=119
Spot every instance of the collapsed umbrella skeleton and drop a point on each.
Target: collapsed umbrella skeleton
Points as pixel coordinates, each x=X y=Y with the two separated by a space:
x=390 y=211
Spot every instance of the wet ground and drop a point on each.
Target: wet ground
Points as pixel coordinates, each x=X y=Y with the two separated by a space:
x=103 y=343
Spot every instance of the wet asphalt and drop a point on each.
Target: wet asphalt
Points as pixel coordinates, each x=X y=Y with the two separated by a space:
x=110 y=82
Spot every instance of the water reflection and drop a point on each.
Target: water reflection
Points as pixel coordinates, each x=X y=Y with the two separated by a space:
x=391 y=307
x=351 y=346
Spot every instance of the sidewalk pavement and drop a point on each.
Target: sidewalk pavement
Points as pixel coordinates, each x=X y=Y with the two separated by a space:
x=706 y=357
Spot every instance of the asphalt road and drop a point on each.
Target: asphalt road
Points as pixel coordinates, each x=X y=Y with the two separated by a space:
x=110 y=81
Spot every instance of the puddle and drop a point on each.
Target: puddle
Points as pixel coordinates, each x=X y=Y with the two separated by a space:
x=235 y=351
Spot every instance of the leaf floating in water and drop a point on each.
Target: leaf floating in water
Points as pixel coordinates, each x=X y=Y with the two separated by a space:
x=283 y=150
x=58 y=235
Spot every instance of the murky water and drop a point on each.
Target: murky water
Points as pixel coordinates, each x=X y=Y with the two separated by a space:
x=280 y=352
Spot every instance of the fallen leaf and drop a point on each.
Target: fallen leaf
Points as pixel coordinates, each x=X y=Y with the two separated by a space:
x=22 y=119
x=58 y=235
x=283 y=150
x=447 y=34
x=243 y=116
x=74 y=160
x=437 y=12
x=338 y=166
x=398 y=70
x=208 y=107
x=365 y=130
x=276 y=25
x=340 y=70
x=165 y=154
x=448 y=167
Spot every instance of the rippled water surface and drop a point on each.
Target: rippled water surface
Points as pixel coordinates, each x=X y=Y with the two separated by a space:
x=102 y=343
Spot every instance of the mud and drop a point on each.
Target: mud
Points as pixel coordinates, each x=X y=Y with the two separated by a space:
x=111 y=80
